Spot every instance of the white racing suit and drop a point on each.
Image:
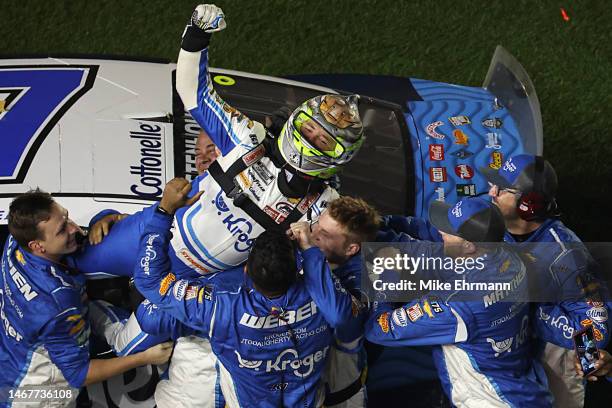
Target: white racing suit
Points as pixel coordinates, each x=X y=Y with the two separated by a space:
x=213 y=234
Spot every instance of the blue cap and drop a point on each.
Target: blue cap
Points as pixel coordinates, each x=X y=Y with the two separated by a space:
x=525 y=173
x=473 y=218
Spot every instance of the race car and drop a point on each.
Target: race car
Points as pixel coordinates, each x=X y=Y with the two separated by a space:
x=103 y=133
x=110 y=133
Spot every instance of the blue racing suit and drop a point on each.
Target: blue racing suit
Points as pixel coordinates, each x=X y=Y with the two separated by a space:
x=45 y=335
x=575 y=299
x=484 y=353
x=271 y=351
x=346 y=373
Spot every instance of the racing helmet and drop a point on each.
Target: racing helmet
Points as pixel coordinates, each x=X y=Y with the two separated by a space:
x=322 y=134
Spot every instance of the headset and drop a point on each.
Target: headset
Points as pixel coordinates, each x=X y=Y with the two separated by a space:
x=534 y=205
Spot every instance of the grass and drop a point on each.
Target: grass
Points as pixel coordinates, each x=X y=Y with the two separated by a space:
x=451 y=41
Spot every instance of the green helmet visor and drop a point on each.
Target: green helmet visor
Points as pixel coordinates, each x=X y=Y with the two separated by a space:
x=312 y=138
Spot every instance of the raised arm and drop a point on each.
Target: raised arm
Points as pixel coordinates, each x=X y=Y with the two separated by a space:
x=222 y=122
x=339 y=307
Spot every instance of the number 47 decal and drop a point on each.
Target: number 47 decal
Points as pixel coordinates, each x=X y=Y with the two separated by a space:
x=32 y=100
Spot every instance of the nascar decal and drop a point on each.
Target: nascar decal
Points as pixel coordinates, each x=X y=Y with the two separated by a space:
x=436 y=152
x=460 y=137
x=431 y=130
x=383 y=322
x=437 y=174
x=165 y=283
x=32 y=100
x=497 y=161
x=459 y=120
x=464 y=171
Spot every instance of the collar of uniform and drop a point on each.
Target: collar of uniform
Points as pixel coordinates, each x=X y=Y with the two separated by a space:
x=278 y=303
x=352 y=266
x=536 y=235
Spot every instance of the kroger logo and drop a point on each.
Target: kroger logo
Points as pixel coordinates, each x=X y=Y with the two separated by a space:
x=456 y=211
x=562 y=323
x=238 y=227
x=288 y=359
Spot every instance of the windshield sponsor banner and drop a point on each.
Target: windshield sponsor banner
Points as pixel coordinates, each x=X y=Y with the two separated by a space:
x=490 y=272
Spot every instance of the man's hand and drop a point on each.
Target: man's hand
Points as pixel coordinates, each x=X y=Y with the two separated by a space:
x=101 y=228
x=603 y=366
x=209 y=18
x=176 y=195
x=158 y=354
x=300 y=232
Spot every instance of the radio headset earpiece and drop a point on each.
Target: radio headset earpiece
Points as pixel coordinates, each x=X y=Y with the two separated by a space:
x=534 y=205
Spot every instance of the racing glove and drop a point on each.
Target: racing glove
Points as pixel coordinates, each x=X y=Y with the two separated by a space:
x=206 y=19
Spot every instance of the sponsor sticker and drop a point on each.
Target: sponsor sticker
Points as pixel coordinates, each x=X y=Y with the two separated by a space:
x=427 y=309
x=383 y=322
x=436 y=152
x=19 y=257
x=440 y=193
x=192 y=292
x=205 y=293
x=464 y=190
x=263 y=173
x=460 y=137
x=414 y=312
x=586 y=323
x=459 y=120
x=275 y=215
x=594 y=303
x=598 y=314
x=495 y=123
x=435 y=306
x=165 y=283
x=456 y=211
x=464 y=171
x=399 y=317
x=431 y=130
x=307 y=202
x=462 y=154
x=437 y=174
x=493 y=141
x=496 y=161
x=179 y=289
x=597 y=334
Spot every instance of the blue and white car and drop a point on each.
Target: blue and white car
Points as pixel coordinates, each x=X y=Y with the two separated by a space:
x=81 y=129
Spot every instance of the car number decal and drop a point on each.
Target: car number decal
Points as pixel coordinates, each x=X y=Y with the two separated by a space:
x=32 y=100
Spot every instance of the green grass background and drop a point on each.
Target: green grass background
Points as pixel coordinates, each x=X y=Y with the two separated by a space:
x=449 y=41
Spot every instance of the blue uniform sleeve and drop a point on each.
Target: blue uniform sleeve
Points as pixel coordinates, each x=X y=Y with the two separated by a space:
x=222 y=122
x=66 y=338
x=190 y=302
x=101 y=215
x=581 y=303
x=337 y=305
x=154 y=321
x=428 y=321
